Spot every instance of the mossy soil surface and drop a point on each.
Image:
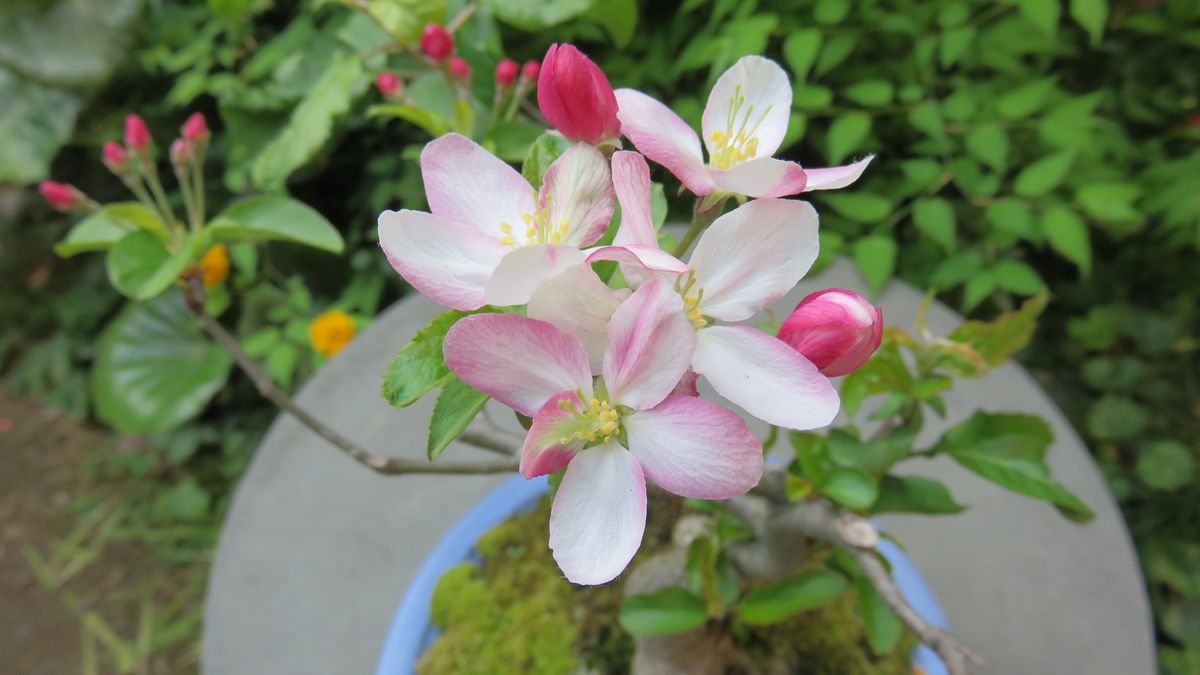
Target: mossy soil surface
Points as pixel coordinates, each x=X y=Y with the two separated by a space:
x=513 y=612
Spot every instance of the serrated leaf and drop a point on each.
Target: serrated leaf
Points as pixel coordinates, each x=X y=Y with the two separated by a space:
x=547 y=148
x=419 y=366
x=456 y=405
x=934 y=217
x=995 y=341
x=775 y=602
x=670 y=610
x=278 y=218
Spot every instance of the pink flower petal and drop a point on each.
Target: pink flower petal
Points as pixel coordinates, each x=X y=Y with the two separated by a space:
x=753 y=96
x=650 y=342
x=753 y=255
x=518 y=361
x=466 y=183
x=651 y=258
x=543 y=453
x=662 y=136
x=631 y=180
x=579 y=190
x=523 y=269
x=446 y=260
x=765 y=376
x=580 y=304
x=695 y=448
x=599 y=514
x=763 y=177
x=836 y=177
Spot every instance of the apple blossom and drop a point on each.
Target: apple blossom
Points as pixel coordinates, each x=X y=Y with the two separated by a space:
x=610 y=433
x=836 y=329
x=744 y=123
x=575 y=96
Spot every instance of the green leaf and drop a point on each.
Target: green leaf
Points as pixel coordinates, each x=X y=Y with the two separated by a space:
x=935 y=219
x=310 y=124
x=104 y=228
x=514 y=139
x=1044 y=175
x=1110 y=202
x=870 y=93
x=670 y=610
x=1166 y=465
x=428 y=120
x=1067 y=234
x=993 y=342
x=977 y=289
x=830 y=12
x=956 y=269
x=1042 y=13
x=419 y=367
x=860 y=207
x=1017 y=277
x=456 y=406
x=1010 y=450
x=954 y=44
x=35 y=121
x=914 y=494
x=1116 y=418
x=547 y=148
x=847 y=134
x=537 y=16
x=281 y=364
x=63 y=43
x=1091 y=14
x=185 y=501
x=882 y=626
x=774 y=602
x=278 y=218
x=140 y=267
x=800 y=51
x=1026 y=99
x=876 y=259
x=618 y=17
x=875 y=455
x=989 y=144
x=154 y=369
x=811 y=97
x=1011 y=215
x=850 y=488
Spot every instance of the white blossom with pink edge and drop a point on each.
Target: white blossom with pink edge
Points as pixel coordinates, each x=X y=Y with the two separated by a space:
x=744 y=123
x=746 y=260
x=490 y=238
x=610 y=433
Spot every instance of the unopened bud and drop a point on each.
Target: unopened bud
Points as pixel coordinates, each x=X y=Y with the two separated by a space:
x=506 y=72
x=836 y=329
x=460 y=69
x=137 y=134
x=388 y=84
x=195 y=129
x=181 y=153
x=531 y=70
x=115 y=157
x=436 y=42
x=62 y=197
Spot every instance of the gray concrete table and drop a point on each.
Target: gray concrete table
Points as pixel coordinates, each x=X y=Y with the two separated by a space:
x=317 y=551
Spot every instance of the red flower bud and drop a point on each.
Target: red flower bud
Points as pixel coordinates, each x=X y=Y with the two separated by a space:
x=195 y=129
x=137 y=134
x=575 y=96
x=460 y=69
x=531 y=70
x=387 y=83
x=836 y=329
x=61 y=196
x=436 y=42
x=115 y=157
x=181 y=152
x=507 y=72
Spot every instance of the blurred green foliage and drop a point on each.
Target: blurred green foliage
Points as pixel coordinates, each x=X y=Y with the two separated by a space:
x=1023 y=145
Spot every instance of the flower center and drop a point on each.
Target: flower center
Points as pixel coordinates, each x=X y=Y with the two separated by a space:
x=736 y=146
x=597 y=421
x=538 y=228
x=692 y=296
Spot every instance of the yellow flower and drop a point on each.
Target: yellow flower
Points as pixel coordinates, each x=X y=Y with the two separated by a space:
x=331 y=331
x=214 y=266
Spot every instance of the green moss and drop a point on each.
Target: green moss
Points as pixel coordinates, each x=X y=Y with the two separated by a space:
x=513 y=612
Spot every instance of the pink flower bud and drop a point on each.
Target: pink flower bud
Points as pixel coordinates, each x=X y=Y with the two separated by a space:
x=506 y=72
x=115 y=157
x=181 y=152
x=531 y=70
x=836 y=329
x=195 y=129
x=137 y=134
x=575 y=96
x=388 y=84
x=460 y=69
x=61 y=196
x=436 y=42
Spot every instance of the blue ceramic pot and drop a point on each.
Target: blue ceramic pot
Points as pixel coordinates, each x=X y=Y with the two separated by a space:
x=412 y=631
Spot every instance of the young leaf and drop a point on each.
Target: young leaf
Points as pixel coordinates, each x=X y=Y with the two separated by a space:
x=989 y=144
x=1017 y=277
x=1092 y=15
x=419 y=366
x=670 y=610
x=876 y=259
x=140 y=267
x=934 y=218
x=846 y=134
x=850 y=488
x=883 y=627
x=456 y=405
x=1067 y=234
x=541 y=155
x=1044 y=175
x=993 y=342
x=278 y=218
x=914 y=494
x=772 y=603
x=104 y=228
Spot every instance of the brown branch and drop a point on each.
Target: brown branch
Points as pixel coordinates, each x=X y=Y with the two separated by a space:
x=775 y=519
x=377 y=463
